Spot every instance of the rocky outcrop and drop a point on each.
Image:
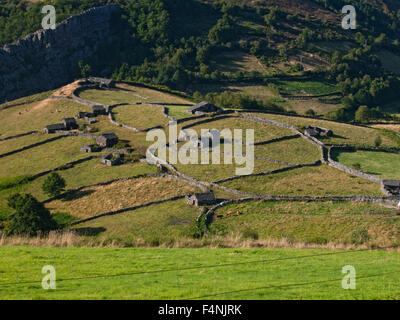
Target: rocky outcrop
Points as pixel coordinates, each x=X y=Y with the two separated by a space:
x=48 y=59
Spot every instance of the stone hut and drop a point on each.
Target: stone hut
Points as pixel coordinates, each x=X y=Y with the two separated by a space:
x=107 y=140
x=201 y=199
x=315 y=132
x=113 y=159
x=391 y=187
x=70 y=123
x=53 y=128
x=102 y=82
x=99 y=110
x=85 y=115
x=203 y=107
x=90 y=148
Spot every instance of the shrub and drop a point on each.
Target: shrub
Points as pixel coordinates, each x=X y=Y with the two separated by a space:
x=360 y=236
x=249 y=233
x=356 y=166
x=378 y=141
x=310 y=112
x=30 y=217
x=53 y=185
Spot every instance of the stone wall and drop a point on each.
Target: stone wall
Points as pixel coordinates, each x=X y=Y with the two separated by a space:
x=48 y=59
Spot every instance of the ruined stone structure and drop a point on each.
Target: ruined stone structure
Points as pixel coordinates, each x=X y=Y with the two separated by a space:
x=48 y=59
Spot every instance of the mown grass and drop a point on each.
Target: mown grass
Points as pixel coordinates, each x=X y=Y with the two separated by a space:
x=109 y=97
x=343 y=133
x=309 y=181
x=212 y=172
x=284 y=267
x=153 y=225
x=44 y=157
x=311 y=222
x=292 y=151
x=262 y=131
x=381 y=164
x=92 y=201
x=305 y=87
x=82 y=174
x=37 y=115
x=38 y=96
x=154 y=95
x=17 y=143
x=178 y=112
x=140 y=116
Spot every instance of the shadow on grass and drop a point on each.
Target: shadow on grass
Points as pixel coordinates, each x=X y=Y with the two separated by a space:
x=77 y=195
x=89 y=231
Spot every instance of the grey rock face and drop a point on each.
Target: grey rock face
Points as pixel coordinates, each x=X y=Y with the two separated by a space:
x=47 y=59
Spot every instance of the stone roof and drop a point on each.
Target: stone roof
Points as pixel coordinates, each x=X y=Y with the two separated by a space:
x=391 y=183
x=56 y=126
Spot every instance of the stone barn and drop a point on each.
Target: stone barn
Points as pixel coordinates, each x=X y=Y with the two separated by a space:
x=315 y=132
x=90 y=148
x=113 y=159
x=201 y=199
x=203 y=107
x=53 y=128
x=99 y=110
x=102 y=82
x=70 y=123
x=391 y=187
x=107 y=140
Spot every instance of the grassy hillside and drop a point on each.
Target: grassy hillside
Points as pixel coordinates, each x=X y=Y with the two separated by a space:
x=194 y=273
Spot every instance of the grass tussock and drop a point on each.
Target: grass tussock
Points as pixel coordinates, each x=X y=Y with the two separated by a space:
x=233 y=240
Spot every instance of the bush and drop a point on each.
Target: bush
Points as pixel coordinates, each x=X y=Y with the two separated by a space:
x=378 y=141
x=310 y=112
x=53 y=185
x=250 y=234
x=30 y=217
x=360 y=236
x=356 y=166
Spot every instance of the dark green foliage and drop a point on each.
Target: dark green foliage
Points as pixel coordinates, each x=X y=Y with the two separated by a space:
x=53 y=185
x=30 y=216
x=378 y=141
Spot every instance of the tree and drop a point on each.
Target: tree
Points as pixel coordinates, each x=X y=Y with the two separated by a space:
x=53 y=185
x=310 y=112
x=30 y=217
x=85 y=69
x=378 y=141
x=362 y=114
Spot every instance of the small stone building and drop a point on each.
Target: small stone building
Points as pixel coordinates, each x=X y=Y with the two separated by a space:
x=85 y=115
x=201 y=199
x=391 y=187
x=102 y=82
x=70 y=123
x=113 y=159
x=107 y=140
x=53 y=128
x=99 y=110
x=315 y=132
x=203 y=107
x=90 y=148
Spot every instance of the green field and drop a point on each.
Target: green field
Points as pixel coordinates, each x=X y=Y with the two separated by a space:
x=381 y=164
x=312 y=181
x=107 y=273
x=305 y=87
x=309 y=222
